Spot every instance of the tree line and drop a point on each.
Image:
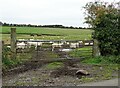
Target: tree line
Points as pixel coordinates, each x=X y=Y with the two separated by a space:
x=49 y=26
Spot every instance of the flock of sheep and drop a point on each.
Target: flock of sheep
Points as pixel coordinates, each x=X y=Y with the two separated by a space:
x=28 y=44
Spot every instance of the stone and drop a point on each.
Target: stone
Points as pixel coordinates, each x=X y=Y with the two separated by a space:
x=82 y=72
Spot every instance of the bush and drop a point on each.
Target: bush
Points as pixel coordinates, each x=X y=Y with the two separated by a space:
x=105 y=19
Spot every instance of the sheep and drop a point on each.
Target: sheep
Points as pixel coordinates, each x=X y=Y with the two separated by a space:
x=34 y=44
x=56 y=45
x=86 y=43
x=80 y=41
x=91 y=43
x=21 y=45
x=8 y=46
x=74 y=45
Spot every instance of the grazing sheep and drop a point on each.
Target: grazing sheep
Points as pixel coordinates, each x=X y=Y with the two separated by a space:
x=34 y=44
x=21 y=45
x=74 y=45
x=54 y=45
x=57 y=44
x=86 y=43
x=80 y=41
x=91 y=43
x=8 y=46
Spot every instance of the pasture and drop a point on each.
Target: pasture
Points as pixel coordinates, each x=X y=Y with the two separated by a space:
x=47 y=33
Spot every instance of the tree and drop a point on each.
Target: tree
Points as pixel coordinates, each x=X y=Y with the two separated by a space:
x=104 y=19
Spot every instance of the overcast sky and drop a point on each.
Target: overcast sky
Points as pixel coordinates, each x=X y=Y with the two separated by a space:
x=63 y=12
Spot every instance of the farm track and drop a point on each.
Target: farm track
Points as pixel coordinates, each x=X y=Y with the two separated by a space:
x=37 y=62
x=33 y=65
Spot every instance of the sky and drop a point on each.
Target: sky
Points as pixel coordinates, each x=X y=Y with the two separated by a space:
x=44 y=12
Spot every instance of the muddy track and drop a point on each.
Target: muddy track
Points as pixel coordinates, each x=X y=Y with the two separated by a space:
x=34 y=64
x=39 y=59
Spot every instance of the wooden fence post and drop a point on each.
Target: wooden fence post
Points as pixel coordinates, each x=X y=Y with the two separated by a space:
x=13 y=43
x=96 y=50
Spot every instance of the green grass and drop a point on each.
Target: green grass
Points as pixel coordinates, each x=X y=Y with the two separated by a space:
x=61 y=33
x=81 y=52
x=102 y=60
x=105 y=73
x=57 y=31
x=54 y=65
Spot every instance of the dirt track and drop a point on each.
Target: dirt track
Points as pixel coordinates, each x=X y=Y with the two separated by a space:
x=34 y=73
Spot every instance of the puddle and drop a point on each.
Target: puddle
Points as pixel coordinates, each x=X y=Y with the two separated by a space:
x=65 y=50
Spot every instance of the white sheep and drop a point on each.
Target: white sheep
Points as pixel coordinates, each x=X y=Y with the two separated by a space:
x=56 y=45
x=91 y=43
x=34 y=44
x=21 y=45
x=80 y=41
x=74 y=45
x=8 y=46
x=86 y=43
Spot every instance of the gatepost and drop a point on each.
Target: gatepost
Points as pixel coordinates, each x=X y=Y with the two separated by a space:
x=13 y=43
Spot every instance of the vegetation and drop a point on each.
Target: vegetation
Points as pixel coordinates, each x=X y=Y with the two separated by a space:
x=105 y=72
x=9 y=63
x=102 y=60
x=54 y=65
x=104 y=18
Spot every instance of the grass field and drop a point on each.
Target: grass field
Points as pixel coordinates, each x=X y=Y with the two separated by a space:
x=47 y=33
